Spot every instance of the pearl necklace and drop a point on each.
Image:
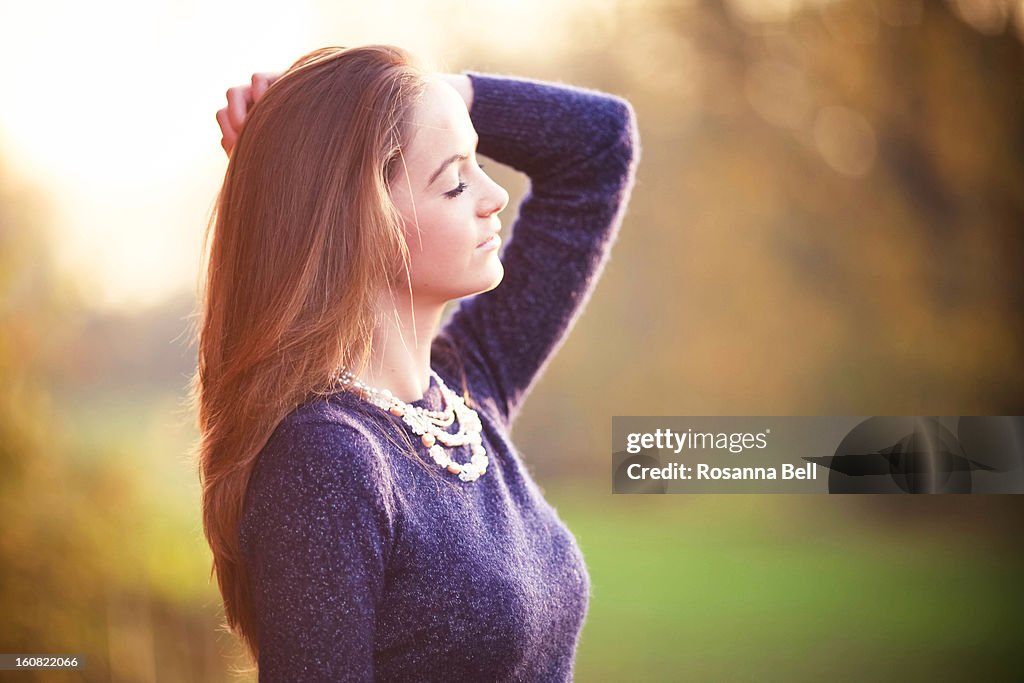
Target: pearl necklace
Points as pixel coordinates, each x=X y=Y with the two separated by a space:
x=431 y=425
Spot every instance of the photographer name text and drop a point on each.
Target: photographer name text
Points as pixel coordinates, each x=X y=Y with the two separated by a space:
x=703 y=471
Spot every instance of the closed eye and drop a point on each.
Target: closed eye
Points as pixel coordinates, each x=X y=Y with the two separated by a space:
x=452 y=194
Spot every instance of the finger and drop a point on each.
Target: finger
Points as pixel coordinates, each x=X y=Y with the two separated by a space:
x=229 y=134
x=223 y=122
x=259 y=86
x=239 y=101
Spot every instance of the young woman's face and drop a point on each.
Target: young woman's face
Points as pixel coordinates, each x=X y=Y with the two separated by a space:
x=448 y=204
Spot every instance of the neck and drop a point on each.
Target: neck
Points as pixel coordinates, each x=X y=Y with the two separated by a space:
x=400 y=356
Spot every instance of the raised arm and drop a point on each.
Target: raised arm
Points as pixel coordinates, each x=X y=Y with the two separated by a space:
x=316 y=538
x=580 y=149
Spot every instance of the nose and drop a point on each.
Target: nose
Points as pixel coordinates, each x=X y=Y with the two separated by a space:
x=496 y=200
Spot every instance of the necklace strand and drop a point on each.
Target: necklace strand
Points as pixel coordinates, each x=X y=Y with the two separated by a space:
x=431 y=425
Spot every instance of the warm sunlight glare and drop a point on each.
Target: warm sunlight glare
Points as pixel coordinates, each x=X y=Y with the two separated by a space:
x=108 y=109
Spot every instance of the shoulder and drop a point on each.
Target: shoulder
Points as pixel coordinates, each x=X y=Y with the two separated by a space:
x=323 y=431
x=321 y=447
x=320 y=458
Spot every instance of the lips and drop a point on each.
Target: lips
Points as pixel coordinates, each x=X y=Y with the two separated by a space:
x=489 y=238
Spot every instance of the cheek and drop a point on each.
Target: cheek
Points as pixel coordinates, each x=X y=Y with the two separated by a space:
x=439 y=231
x=431 y=247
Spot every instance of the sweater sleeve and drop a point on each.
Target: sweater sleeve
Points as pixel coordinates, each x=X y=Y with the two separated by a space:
x=316 y=541
x=579 y=148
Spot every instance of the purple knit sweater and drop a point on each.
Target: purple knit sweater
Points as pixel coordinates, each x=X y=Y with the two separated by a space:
x=363 y=566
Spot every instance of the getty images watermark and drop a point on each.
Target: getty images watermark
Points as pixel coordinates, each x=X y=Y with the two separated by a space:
x=969 y=454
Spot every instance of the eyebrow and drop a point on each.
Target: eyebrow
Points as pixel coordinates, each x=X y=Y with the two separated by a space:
x=453 y=158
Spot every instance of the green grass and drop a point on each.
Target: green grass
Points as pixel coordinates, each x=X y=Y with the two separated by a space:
x=765 y=588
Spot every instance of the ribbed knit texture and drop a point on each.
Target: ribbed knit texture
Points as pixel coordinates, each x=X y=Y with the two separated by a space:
x=364 y=567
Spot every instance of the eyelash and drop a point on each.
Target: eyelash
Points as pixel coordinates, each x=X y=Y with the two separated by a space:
x=452 y=194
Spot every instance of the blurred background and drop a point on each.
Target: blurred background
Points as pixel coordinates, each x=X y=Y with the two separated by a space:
x=827 y=220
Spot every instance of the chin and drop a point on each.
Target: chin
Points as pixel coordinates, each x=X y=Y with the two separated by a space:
x=499 y=275
x=488 y=284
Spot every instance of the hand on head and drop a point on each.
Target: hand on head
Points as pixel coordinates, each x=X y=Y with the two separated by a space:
x=241 y=98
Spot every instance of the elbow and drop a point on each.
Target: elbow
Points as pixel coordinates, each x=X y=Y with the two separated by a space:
x=624 y=143
x=605 y=162
x=629 y=129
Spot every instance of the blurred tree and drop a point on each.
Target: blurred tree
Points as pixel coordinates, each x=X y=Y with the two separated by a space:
x=76 y=551
x=826 y=220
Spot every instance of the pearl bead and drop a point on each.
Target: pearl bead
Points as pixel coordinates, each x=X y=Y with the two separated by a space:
x=431 y=425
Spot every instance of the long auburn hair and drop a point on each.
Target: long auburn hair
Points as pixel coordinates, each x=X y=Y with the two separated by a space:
x=302 y=238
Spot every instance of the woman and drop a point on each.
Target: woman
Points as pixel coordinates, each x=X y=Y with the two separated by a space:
x=368 y=514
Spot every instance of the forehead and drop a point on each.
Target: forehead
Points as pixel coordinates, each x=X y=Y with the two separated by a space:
x=440 y=125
